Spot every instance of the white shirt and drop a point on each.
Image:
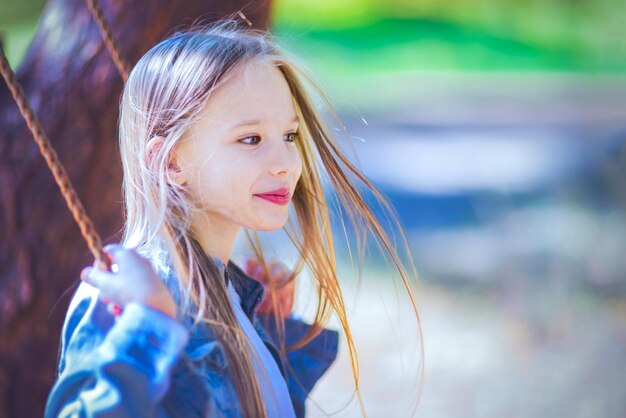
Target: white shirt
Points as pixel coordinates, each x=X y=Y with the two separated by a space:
x=271 y=382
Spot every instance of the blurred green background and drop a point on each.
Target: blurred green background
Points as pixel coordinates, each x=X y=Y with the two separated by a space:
x=353 y=38
x=497 y=130
x=462 y=35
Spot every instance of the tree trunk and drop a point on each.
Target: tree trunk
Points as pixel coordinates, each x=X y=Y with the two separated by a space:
x=74 y=89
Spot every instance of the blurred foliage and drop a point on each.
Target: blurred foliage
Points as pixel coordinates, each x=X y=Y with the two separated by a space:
x=381 y=35
x=15 y=12
x=18 y=21
x=562 y=35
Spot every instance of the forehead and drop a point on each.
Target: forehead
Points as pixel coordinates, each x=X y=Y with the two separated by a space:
x=255 y=90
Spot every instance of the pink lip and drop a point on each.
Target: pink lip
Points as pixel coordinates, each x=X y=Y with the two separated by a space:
x=279 y=196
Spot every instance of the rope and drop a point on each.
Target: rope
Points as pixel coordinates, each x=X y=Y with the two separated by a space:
x=87 y=229
x=74 y=204
x=107 y=37
x=60 y=176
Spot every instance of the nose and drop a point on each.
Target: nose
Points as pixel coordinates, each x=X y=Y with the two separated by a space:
x=285 y=159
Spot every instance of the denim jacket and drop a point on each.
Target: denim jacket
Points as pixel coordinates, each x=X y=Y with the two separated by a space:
x=146 y=364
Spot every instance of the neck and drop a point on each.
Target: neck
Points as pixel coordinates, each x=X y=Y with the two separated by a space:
x=216 y=241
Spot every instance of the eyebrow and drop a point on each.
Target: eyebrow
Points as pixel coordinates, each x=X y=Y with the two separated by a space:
x=257 y=122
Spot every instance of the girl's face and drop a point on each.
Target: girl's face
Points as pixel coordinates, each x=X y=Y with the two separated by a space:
x=239 y=159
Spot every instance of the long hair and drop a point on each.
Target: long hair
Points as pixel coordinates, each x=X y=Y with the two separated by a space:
x=164 y=93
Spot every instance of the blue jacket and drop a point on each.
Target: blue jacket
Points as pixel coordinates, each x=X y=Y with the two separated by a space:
x=146 y=364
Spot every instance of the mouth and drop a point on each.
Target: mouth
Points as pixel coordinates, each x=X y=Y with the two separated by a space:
x=278 y=197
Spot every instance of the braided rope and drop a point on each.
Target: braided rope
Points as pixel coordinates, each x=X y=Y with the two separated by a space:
x=60 y=176
x=74 y=204
x=107 y=37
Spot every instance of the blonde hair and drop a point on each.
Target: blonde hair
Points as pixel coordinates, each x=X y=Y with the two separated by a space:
x=163 y=95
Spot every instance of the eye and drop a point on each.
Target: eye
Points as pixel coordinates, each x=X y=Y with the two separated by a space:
x=251 y=140
x=291 y=136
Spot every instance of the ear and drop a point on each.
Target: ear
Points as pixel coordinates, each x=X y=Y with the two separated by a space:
x=153 y=145
x=174 y=171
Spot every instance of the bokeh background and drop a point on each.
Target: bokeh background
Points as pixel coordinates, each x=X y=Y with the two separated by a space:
x=497 y=130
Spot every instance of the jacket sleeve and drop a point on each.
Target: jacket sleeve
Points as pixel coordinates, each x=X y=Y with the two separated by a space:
x=306 y=365
x=113 y=367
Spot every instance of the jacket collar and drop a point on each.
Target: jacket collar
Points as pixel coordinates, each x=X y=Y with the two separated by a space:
x=250 y=290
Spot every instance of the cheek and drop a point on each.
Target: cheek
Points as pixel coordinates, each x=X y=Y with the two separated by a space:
x=298 y=168
x=227 y=188
x=209 y=185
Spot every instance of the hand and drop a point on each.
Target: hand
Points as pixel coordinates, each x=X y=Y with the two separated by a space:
x=285 y=291
x=134 y=281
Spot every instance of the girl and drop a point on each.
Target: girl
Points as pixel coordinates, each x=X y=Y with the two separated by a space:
x=216 y=134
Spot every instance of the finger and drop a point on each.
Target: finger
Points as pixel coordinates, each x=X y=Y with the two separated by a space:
x=96 y=277
x=278 y=271
x=260 y=273
x=123 y=256
x=112 y=266
x=254 y=268
x=114 y=309
x=280 y=275
x=113 y=247
x=250 y=265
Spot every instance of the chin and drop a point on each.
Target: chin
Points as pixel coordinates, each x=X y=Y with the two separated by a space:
x=267 y=229
x=270 y=225
x=270 y=228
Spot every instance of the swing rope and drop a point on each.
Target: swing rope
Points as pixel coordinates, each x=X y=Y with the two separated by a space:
x=49 y=154
x=87 y=229
x=107 y=37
